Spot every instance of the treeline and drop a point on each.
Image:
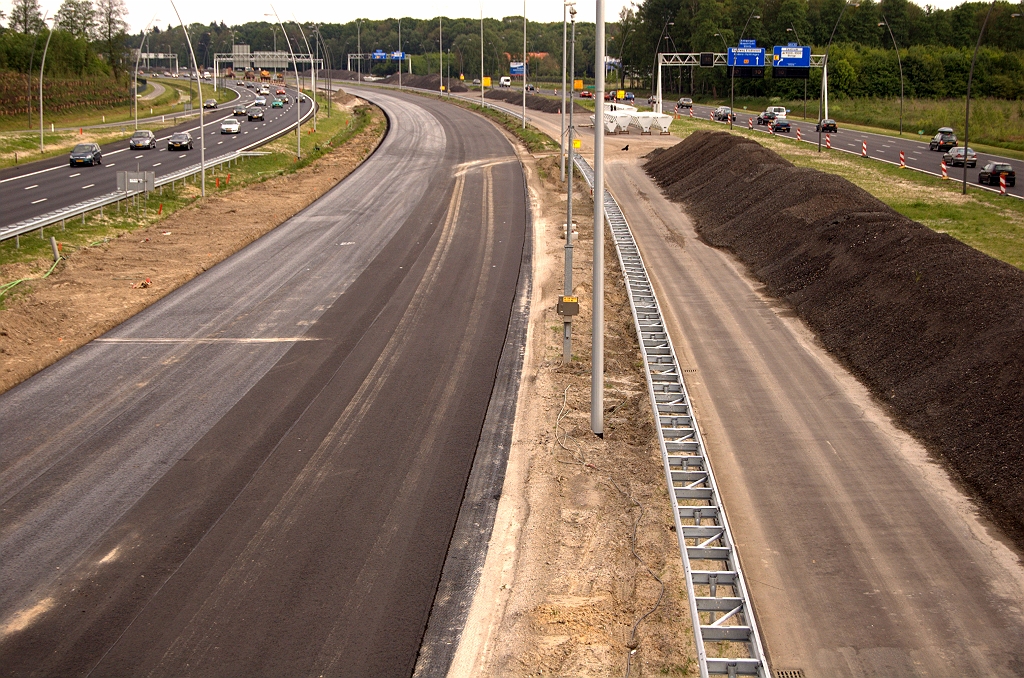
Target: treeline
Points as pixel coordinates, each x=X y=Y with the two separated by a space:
x=67 y=55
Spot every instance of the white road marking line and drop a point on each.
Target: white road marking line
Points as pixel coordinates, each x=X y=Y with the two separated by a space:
x=157 y=164
x=139 y=156
x=203 y=340
x=29 y=188
x=89 y=186
x=110 y=165
x=36 y=202
x=75 y=175
x=182 y=155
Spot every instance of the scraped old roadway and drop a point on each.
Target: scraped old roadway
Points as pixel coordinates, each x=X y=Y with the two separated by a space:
x=260 y=474
x=863 y=560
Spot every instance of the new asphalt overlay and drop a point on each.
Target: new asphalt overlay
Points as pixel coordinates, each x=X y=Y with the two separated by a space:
x=260 y=474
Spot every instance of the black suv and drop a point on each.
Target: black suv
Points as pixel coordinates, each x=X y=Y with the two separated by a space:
x=943 y=140
x=826 y=125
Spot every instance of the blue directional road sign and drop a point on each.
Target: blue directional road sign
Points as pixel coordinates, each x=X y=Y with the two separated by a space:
x=791 y=56
x=379 y=55
x=746 y=57
x=517 y=68
x=397 y=56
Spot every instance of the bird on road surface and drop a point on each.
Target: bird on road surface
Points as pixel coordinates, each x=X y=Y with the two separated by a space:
x=626 y=147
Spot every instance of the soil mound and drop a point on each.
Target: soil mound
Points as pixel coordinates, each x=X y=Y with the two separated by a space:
x=933 y=327
x=533 y=102
x=430 y=82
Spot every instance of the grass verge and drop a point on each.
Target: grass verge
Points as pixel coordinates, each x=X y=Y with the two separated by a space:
x=982 y=219
x=140 y=212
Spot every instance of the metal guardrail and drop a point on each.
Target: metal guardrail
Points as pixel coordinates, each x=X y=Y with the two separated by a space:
x=720 y=605
x=99 y=202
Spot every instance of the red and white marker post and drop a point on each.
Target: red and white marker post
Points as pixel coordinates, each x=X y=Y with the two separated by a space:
x=771 y=128
x=828 y=141
x=864 y=148
x=750 y=123
x=691 y=111
x=1002 y=185
x=903 y=161
x=711 y=116
x=944 y=174
x=798 y=137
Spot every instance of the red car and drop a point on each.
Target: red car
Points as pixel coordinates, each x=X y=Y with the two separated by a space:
x=586 y=94
x=280 y=90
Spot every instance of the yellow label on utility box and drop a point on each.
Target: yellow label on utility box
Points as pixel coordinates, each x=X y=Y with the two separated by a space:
x=577 y=85
x=576 y=143
x=620 y=94
x=568 y=306
x=487 y=81
x=461 y=76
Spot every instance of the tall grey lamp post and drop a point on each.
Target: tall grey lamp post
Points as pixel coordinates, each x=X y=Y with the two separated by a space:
x=138 y=56
x=899 y=62
x=597 y=333
x=298 y=98
x=567 y=280
x=202 y=117
x=42 y=65
x=970 y=77
x=565 y=7
x=400 y=51
x=732 y=73
x=313 y=76
x=824 y=71
x=359 y=48
x=524 y=64
x=793 y=31
x=481 y=57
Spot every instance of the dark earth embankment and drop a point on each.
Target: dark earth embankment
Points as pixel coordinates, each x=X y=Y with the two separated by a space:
x=431 y=82
x=933 y=327
x=533 y=102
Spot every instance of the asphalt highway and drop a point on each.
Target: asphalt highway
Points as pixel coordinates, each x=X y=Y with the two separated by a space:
x=879 y=146
x=260 y=474
x=862 y=557
x=44 y=186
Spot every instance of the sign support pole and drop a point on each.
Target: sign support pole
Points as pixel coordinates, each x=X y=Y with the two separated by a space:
x=597 y=338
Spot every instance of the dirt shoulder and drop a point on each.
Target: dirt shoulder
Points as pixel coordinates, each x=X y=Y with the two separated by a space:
x=561 y=589
x=98 y=287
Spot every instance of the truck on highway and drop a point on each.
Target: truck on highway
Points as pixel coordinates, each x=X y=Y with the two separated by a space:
x=505 y=81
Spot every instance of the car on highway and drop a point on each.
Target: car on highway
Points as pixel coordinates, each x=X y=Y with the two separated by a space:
x=530 y=87
x=722 y=113
x=180 y=141
x=256 y=113
x=955 y=156
x=210 y=103
x=476 y=81
x=249 y=85
x=260 y=101
x=230 y=126
x=277 y=103
x=781 y=126
x=991 y=172
x=943 y=140
x=280 y=90
x=86 y=154
x=239 y=109
x=630 y=96
x=586 y=94
x=264 y=90
x=767 y=118
x=142 y=138
x=285 y=99
x=826 y=125
x=685 y=102
x=505 y=81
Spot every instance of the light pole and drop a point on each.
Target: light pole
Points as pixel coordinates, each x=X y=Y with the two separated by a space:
x=481 y=57
x=400 y=51
x=793 y=31
x=657 y=67
x=899 y=62
x=440 y=51
x=312 y=75
x=565 y=7
x=359 y=48
x=732 y=72
x=524 y=64
x=970 y=77
x=298 y=98
x=41 y=67
x=136 y=74
x=202 y=118
x=622 y=49
x=567 y=279
x=824 y=70
x=597 y=332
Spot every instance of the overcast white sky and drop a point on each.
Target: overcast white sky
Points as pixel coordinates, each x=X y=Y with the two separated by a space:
x=332 y=11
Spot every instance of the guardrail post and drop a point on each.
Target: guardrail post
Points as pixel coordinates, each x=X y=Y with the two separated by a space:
x=17 y=242
x=53 y=247
x=41 y=236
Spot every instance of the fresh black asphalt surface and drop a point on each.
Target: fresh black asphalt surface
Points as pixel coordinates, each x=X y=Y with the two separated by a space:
x=46 y=185
x=260 y=474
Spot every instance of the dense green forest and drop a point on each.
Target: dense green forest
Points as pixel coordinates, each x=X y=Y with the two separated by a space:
x=89 y=40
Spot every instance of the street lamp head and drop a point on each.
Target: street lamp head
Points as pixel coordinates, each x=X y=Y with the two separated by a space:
x=756 y=16
x=789 y=30
x=881 y=23
x=1016 y=16
x=572 y=11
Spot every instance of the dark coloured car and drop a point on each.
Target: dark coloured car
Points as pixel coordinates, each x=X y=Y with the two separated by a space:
x=722 y=113
x=826 y=125
x=210 y=103
x=86 y=154
x=238 y=110
x=256 y=113
x=955 y=156
x=142 y=138
x=781 y=126
x=180 y=141
x=943 y=140
x=991 y=172
x=766 y=118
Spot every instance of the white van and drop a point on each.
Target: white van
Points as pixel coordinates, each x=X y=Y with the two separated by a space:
x=779 y=111
x=505 y=81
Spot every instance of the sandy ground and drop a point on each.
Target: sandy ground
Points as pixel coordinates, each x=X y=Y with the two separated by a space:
x=561 y=590
x=96 y=288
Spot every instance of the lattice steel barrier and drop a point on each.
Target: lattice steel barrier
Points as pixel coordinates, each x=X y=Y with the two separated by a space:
x=728 y=642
